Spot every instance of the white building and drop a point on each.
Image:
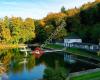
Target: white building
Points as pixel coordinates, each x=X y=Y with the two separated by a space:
x=71 y=39
x=76 y=42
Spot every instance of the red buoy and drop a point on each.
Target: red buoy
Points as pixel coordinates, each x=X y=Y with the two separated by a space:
x=38 y=52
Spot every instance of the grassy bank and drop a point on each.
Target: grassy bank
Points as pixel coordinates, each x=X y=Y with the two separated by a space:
x=75 y=51
x=83 y=53
x=54 y=46
x=90 y=76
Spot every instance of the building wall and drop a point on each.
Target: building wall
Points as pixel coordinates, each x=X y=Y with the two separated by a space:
x=68 y=41
x=72 y=40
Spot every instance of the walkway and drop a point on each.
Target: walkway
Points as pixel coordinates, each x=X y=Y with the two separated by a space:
x=84 y=72
x=50 y=51
x=75 y=74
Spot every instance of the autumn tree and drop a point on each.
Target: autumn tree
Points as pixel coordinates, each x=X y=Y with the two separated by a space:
x=27 y=30
x=4 y=32
x=16 y=30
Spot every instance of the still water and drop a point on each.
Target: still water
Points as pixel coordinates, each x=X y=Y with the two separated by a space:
x=30 y=68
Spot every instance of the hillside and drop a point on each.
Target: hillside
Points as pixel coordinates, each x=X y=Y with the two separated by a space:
x=83 y=21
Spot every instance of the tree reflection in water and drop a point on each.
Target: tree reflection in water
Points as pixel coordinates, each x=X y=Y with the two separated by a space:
x=11 y=60
x=19 y=64
x=5 y=59
x=55 y=74
x=48 y=65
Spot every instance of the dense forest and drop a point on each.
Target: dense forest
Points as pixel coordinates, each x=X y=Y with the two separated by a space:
x=83 y=21
x=16 y=30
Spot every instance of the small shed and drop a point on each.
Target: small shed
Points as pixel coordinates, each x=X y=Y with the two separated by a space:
x=71 y=39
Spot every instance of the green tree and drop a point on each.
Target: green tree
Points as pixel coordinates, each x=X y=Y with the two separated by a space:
x=15 y=28
x=63 y=10
x=61 y=34
x=41 y=34
x=95 y=32
x=49 y=29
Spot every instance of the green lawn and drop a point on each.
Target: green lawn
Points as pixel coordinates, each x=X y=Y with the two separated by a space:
x=93 y=76
x=83 y=53
x=54 y=46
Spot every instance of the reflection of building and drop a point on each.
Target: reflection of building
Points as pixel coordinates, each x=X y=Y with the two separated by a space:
x=69 y=58
x=71 y=39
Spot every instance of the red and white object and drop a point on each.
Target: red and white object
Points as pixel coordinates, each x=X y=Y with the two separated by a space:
x=38 y=52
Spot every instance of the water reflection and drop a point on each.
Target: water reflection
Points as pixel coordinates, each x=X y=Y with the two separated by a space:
x=28 y=74
x=69 y=58
x=20 y=68
x=17 y=65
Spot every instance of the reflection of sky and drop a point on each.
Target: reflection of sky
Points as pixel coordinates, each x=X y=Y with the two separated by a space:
x=35 y=73
x=35 y=8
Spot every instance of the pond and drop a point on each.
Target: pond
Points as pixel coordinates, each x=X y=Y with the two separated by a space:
x=31 y=68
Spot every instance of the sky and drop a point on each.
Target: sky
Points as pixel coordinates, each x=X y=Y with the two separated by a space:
x=36 y=9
